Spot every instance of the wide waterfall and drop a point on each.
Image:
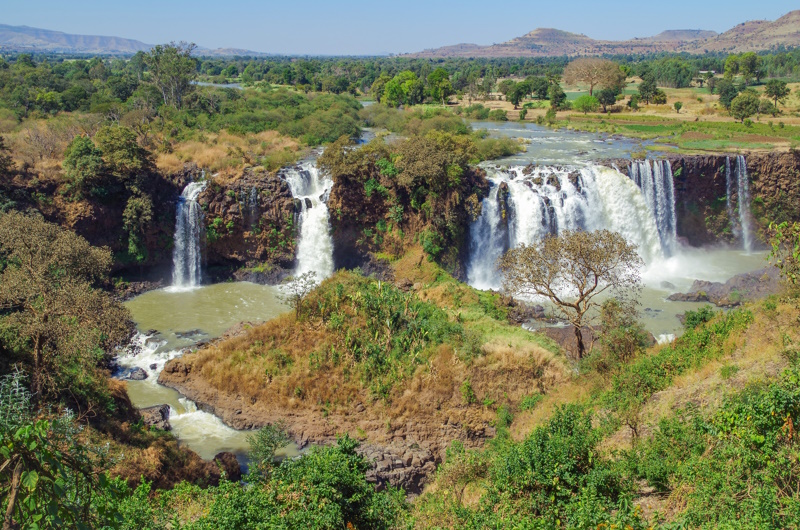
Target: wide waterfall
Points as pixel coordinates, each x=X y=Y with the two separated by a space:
x=525 y=205
x=656 y=184
x=741 y=227
x=187 y=255
x=315 y=245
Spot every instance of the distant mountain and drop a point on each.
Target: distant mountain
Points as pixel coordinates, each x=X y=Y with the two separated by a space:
x=24 y=38
x=683 y=35
x=548 y=42
x=755 y=35
x=27 y=39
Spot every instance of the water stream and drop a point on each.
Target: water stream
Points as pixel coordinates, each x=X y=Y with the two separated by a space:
x=170 y=321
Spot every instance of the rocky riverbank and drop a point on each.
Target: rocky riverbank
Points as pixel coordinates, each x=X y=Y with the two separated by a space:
x=403 y=454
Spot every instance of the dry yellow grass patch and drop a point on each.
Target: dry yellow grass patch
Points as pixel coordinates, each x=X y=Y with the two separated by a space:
x=227 y=153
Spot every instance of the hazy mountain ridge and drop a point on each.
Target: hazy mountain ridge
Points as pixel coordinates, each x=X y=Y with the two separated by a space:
x=28 y=39
x=548 y=42
x=24 y=38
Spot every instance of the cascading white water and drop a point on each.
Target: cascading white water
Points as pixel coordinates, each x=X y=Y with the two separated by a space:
x=744 y=203
x=741 y=227
x=549 y=200
x=659 y=192
x=315 y=244
x=187 y=255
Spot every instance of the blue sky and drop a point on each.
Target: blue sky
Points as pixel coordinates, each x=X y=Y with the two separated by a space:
x=375 y=26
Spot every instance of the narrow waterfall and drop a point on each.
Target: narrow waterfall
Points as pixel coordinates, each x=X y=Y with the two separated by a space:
x=548 y=200
x=187 y=255
x=315 y=245
x=745 y=219
x=741 y=223
x=659 y=192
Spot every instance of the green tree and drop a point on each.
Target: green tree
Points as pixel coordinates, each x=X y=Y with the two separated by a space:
x=505 y=86
x=731 y=67
x=557 y=96
x=517 y=93
x=378 y=87
x=678 y=106
x=172 y=70
x=648 y=88
x=55 y=321
x=440 y=86
x=586 y=103
x=727 y=91
x=50 y=477
x=83 y=163
x=263 y=445
x=745 y=105
x=607 y=97
x=750 y=66
x=121 y=152
x=539 y=86
x=776 y=90
x=571 y=270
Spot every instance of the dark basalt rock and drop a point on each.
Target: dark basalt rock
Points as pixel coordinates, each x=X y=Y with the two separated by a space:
x=137 y=374
x=741 y=288
x=157 y=416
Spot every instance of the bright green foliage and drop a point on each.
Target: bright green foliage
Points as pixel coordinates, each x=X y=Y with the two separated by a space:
x=776 y=90
x=56 y=479
x=785 y=241
x=381 y=329
x=647 y=88
x=727 y=92
x=678 y=106
x=83 y=163
x=633 y=385
x=557 y=96
x=121 y=152
x=439 y=85
x=498 y=115
x=552 y=479
x=744 y=105
x=263 y=445
x=586 y=103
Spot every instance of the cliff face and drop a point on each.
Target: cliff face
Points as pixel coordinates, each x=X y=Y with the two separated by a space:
x=250 y=226
x=701 y=194
x=100 y=218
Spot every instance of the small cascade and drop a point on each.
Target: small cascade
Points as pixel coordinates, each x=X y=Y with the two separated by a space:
x=187 y=255
x=745 y=218
x=658 y=189
x=549 y=200
x=729 y=196
x=741 y=222
x=310 y=188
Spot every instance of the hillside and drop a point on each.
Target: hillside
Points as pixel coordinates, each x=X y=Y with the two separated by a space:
x=24 y=38
x=548 y=42
x=754 y=35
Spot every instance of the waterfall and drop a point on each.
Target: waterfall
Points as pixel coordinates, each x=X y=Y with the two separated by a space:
x=743 y=230
x=314 y=246
x=659 y=192
x=187 y=255
x=744 y=203
x=548 y=200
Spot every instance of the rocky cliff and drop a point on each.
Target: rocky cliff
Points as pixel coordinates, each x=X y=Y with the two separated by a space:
x=701 y=194
x=250 y=226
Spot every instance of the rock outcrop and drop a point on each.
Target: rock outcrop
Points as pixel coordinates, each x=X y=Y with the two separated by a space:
x=156 y=416
x=739 y=289
x=251 y=227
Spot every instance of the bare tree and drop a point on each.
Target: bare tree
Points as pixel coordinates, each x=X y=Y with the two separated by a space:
x=594 y=71
x=571 y=270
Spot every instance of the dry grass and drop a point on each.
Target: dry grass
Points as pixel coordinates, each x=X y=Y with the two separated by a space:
x=227 y=153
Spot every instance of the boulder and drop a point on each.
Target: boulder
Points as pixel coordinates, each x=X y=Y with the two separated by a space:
x=157 y=416
x=741 y=288
x=137 y=374
x=228 y=463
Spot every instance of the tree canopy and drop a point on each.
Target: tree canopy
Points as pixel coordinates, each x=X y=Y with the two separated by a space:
x=594 y=71
x=571 y=270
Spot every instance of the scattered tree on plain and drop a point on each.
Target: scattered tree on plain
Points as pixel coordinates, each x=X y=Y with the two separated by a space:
x=571 y=270
x=594 y=71
x=776 y=90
